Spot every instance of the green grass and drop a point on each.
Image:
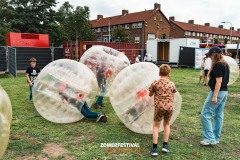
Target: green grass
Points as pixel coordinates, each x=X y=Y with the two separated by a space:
x=30 y=132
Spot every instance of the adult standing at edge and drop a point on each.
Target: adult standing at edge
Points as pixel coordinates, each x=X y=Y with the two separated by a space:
x=147 y=57
x=215 y=101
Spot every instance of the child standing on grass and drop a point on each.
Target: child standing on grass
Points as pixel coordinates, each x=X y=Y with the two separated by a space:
x=31 y=74
x=202 y=70
x=163 y=91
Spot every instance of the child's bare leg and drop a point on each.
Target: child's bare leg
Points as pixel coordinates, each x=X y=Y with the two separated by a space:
x=166 y=131
x=200 y=78
x=156 y=126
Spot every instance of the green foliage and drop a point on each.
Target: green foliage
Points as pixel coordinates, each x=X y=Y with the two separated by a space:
x=120 y=34
x=38 y=16
x=216 y=40
x=164 y=36
x=30 y=132
x=225 y=40
x=32 y=16
x=74 y=22
x=5 y=26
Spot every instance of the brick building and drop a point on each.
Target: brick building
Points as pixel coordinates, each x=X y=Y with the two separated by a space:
x=203 y=32
x=143 y=25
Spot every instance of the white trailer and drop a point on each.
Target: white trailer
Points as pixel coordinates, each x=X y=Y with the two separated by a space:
x=167 y=50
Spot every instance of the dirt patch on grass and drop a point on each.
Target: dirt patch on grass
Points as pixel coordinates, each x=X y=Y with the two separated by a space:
x=77 y=140
x=235 y=95
x=53 y=150
x=25 y=158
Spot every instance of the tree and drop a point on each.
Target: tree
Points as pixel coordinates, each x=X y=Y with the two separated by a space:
x=225 y=40
x=164 y=36
x=216 y=40
x=32 y=16
x=75 y=22
x=5 y=26
x=120 y=35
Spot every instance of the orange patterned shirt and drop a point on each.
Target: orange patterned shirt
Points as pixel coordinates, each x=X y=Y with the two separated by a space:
x=163 y=90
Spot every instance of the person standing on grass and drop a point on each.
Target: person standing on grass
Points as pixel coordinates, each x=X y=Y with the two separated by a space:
x=207 y=67
x=31 y=74
x=137 y=59
x=147 y=57
x=102 y=75
x=202 y=74
x=215 y=101
x=163 y=91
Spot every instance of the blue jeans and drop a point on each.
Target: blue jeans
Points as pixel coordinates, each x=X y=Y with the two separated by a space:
x=86 y=111
x=99 y=100
x=211 y=131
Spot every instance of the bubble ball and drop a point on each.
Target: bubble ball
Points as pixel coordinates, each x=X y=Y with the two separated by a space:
x=106 y=63
x=234 y=69
x=5 y=120
x=61 y=88
x=129 y=96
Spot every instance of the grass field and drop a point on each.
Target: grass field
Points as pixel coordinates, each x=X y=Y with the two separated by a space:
x=33 y=137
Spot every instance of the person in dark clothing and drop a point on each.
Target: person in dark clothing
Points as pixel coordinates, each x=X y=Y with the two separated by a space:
x=215 y=102
x=31 y=74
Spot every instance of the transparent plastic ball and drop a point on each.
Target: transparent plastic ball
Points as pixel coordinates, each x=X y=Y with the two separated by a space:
x=234 y=69
x=61 y=89
x=5 y=120
x=129 y=96
x=106 y=63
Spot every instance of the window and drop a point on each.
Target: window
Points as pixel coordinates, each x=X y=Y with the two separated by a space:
x=126 y=26
x=151 y=36
x=99 y=39
x=206 y=35
x=106 y=38
x=98 y=29
x=193 y=33
x=134 y=25
x=197 y=34
x=201 y=34
x=137 y=25
x=187 y=33
x=137 y=39
x=105 y=29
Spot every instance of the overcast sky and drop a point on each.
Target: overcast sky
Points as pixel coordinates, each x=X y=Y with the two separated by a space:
x=201 y=11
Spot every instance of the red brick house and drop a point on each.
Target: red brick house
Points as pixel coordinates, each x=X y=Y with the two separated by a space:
x=143 y=25
x=203 y=32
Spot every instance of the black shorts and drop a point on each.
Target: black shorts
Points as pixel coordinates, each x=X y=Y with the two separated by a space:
x=206 y=72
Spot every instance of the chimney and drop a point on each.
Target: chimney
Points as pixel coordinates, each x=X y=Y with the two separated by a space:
x=172 y=18
x=124 y=12
x=207 y=24
x=191 y=21
x=220 y=26
x=99 y=17
x=232 y=28
x=238 y=29
x=157 y=6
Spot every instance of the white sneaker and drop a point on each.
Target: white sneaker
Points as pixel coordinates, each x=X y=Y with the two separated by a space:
x=99 y=117
x=203 y=143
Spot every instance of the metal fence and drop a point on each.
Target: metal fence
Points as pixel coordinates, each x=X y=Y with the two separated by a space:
x=3 y=58
x=12 y=61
